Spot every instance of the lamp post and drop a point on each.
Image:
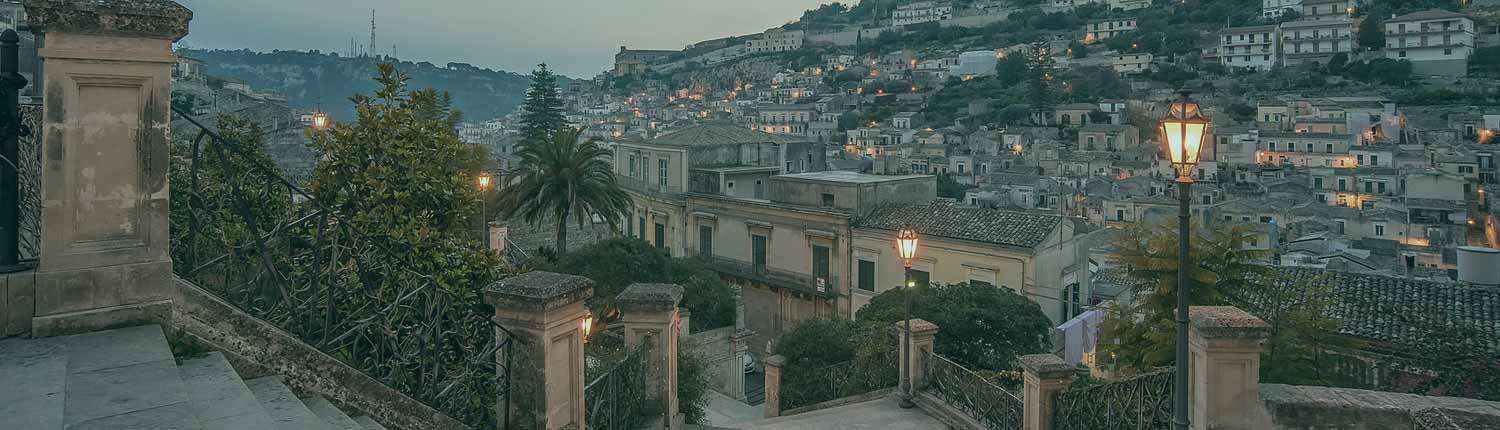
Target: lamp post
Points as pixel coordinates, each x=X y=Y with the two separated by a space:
x=484 y=218
x=11 y=129
x=1182 y=130
x=906 y=245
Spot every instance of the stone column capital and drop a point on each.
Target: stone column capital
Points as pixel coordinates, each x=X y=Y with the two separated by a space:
x=1226 y=322
x=151 y=19
x=538 y=291
x=919 y=327
x=1046 y=366
x=648 y=298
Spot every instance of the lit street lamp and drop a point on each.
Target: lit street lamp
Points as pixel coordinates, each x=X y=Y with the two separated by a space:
x=1182 y=130
x=906 y=245
x=320 y=121
x=484 y=185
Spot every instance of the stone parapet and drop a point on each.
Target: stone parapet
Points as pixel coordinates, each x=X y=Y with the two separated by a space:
x=1044 y=375
x=155 y=19
x=1225 y=345
x=537 y=291
x=545 y=311
x=649 y=298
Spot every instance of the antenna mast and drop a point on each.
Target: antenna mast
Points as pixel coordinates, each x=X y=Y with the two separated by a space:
x=372 y=33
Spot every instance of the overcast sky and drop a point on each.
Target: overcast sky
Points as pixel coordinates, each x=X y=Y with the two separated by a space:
x=575 y=37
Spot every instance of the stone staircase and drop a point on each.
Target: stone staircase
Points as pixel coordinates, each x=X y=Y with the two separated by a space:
x=127 y=379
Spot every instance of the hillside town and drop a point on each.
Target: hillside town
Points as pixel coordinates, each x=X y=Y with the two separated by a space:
x=931 y=214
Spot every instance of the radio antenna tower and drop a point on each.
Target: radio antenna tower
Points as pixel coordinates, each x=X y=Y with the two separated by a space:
x=372 y=34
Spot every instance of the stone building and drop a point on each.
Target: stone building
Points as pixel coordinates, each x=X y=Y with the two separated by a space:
x=1437 y=42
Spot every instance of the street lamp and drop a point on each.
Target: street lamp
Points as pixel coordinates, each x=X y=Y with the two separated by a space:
x=1183 y=130
x=484 y=185
x=319 y=121
x=906 y=245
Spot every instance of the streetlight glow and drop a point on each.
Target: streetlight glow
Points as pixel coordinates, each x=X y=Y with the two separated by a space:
x=319 y=120
x=906 y=244
x=1182 y=131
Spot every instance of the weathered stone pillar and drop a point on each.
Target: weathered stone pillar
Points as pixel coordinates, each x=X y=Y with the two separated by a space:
x=649 y=313
x=107 y=84
x=739 y=345
x=544 y=310
x=922 y=335
x=1044 y=375
x=686 y=316
x=1225 y=345
x=773 y=385
x=498 y=233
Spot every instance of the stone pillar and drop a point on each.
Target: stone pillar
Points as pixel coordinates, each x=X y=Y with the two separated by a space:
x=649 y=313
x=498 y=233
x=545 y=310
x=105 y=258
x=739 y=345
x=686 y=316
x=922 y=334
x=1044 y=375
x=1224 y=346
x=773 y=385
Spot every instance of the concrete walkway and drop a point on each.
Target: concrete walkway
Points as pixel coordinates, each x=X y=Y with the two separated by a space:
x=881 y=413
x=723 y=410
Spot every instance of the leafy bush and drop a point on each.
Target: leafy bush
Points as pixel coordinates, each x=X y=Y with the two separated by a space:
x=980 y=326
x=830 y=359
x=616 y=263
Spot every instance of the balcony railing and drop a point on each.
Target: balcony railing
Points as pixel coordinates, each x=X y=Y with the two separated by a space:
x=646 y=186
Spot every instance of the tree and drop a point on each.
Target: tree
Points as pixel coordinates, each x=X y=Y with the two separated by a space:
x=542 y=112
x=1337 y=62
x=1141 y=336
x=1298 y=311
x=819 y=349
x=564 y=177
x=1039 y=87
x=616 y=263
x=949 y=187
x=1078 y=49
x=1011 y=69
x=1372 y=33
x=400 y=176
x=981 y=326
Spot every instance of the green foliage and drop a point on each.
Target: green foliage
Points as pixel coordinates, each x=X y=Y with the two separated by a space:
x=1381 y=70
x=1039 y=79
x=1141 y=337
x=980 y=326
x=542 y=112
x=220 y=219
x=949 y=187
x=1241 y=111
x=616 y=263
x=1011 y=69
x=1372 y=33
x=1337 y=63
x=1078 y=50
x=827 y=359
x=1299 y=312
x=692 y=385
x=563 y=178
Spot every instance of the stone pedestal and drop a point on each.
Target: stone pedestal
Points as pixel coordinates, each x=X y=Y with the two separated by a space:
x=105 y=258
x=773 y=385
x=686 y=317
x=1224 y=345
x=922 y=336
x=649 y=313
x=544 y=310
x=1044 y=375
x=498 y=233
x=739 y=345
x=17 y=302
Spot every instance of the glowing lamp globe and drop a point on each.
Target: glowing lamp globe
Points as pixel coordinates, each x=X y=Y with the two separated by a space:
x=906 y=245
x=1183 y=130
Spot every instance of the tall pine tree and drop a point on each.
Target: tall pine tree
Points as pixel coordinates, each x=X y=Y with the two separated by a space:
x=542 y=113
x=1039 y=80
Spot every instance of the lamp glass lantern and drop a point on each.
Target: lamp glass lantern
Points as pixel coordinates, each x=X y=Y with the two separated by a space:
x=319 y=121
x=1183 y=131
x=906 y=245
x=484 y=181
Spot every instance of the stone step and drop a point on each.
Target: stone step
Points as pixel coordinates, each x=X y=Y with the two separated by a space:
x=331 y=415
x=124 y=379
x=219 y=397
x=286 y=410
x=368 y=424
x=34 y=375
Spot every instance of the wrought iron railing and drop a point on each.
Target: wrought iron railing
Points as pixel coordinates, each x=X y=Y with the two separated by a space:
x=1142 y=402
x=245 y=233
x=621 y=398
x=29 y=165
x=837 y=381
x=984 y=401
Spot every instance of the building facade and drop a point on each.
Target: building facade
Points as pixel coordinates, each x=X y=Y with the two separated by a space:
x=1436 y=42
x=1249 y=47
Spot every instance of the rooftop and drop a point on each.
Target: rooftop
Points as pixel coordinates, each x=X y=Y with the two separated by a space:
x=944 y=218
x=1427 y=15
x=718 y=134
x=848 y=177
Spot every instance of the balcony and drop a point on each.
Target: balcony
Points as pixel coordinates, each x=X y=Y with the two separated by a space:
x=772 y=277
x=649 y=187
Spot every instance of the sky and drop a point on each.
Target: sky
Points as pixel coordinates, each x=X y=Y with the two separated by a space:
x=577 y=38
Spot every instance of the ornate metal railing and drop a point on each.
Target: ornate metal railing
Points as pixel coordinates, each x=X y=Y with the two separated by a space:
x=245 y=233
x=620 y=399
x=1142 y=402
x=837 y=381
x=29 y=165
x=984 y=401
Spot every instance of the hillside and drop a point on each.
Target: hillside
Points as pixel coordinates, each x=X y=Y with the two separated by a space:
x=311 y=79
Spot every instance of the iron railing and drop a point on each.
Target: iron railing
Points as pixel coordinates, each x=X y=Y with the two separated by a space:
x=1142 y=402
x=839 y=380
x=29 y=165
x=621 y=398
x=984 y=401
x=245 y=233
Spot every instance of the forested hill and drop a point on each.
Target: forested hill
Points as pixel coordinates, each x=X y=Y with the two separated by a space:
x=311 y=79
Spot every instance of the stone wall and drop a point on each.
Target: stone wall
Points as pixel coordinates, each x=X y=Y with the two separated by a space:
x=1318 y=408
x=713 y=346
x=256 y=347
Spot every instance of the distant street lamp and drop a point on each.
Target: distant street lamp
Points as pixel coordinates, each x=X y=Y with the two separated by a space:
x=484 y=185
x=906 y=245
x=320 y=121
x=1183 y=130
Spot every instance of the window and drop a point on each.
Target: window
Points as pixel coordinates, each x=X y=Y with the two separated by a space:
x=1343 y=184
x=1119 y=214
x=1379 y=230
x=1309 y=147
x=1265 y=219
x=1328 y=148
x=1208 y=199
x=1401 y=54
x=1448 y=51
x=632 y=165
x=827 y=200
x=1340 y=224
x=661 y=236
x=662 y=165
x=1369 y=187
x=867 y=275
x=1291 y=147
x=643 y=226
x=1359 y=159
x=705 y=240
x=1374 y=160
x=629 y=226
x=1380 y=187
x=1318 y=183
x=758 y=252
x=1271 y=146
x=820 y=262
x=920 y=278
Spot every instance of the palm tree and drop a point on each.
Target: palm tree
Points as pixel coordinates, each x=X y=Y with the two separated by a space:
x=562 y=177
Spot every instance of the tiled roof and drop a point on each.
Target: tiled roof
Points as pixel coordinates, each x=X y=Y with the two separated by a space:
x=719 y=134
x=944 y=218
x=1402 y=313
x=1427 y=15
